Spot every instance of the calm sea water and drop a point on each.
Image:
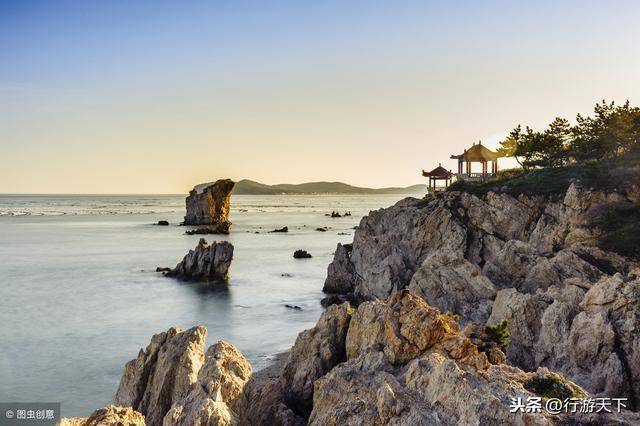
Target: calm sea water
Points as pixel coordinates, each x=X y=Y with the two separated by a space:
x=79 y=296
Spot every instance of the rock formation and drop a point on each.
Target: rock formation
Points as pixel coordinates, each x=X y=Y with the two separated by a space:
x=340 y=273
x=208 y=204
x=398 y=361
x=208 y=263
x=570 y=306
x=173 y=381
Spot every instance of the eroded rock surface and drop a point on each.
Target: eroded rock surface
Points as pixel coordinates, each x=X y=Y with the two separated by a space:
x=531 y=260
x=163 y=374
x=208 y=204
x=209 y=263
x=173 y=381
x=399 y=361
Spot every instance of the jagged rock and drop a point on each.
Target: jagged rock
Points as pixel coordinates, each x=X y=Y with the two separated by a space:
x=283 y=229
x=110 y=415
x=408 y=364
x=314 y=353
x=397 y=362
x=479 y=337
x=283 y=393
x=163 y=374
x=173 y=382
x=302 y=254
x=217 y=396
x=456 y=286
x=208 y=204
x=530 y=260
x=340 y=271
x=208 y=263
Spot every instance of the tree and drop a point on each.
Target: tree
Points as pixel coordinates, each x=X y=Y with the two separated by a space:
x=612 y=131
x=554 y=144
x=509 y=146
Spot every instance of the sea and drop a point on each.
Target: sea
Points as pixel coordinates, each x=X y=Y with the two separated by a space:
x=79 y=295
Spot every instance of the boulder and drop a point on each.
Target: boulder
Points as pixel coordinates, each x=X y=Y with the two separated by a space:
x=207 y=263
x=208 y=204
x=163 y=223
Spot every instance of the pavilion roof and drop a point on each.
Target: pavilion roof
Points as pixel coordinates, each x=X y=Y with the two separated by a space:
x=477 y=152
x=438 y=172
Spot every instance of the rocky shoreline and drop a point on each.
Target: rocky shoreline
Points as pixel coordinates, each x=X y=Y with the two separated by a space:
x=428 y=280
x=571 y=306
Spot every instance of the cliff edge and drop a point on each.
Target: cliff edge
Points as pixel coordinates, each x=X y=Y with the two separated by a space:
x=547 y=265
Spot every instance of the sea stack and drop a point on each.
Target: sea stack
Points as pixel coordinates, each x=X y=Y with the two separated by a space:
x=208 y=204
x=208 y=263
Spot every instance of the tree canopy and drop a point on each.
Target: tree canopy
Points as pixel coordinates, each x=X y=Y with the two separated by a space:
x=612 y=130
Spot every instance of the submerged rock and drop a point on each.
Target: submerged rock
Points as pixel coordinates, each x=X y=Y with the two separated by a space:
x=294 y=307
x=208 y=204
x=283 y=229
x=208 y=263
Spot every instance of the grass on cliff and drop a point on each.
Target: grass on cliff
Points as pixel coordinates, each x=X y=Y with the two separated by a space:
x=609 y=175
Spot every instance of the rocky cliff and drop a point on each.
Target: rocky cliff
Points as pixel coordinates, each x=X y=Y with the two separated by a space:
x=398 y=361
x=571 y=306
x=209 y=205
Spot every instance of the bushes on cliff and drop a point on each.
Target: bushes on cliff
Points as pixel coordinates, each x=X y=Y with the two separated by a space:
x=499 y=333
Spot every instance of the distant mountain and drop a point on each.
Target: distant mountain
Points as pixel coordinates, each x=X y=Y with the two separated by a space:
x=249 y=187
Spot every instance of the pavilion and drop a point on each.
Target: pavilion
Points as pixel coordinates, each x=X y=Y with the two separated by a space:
x=439 y=173
x=478 y=153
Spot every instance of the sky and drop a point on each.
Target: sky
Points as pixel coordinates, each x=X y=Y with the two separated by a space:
x=155 y=97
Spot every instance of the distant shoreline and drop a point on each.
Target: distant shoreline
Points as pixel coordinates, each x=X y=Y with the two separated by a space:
x=249 y=187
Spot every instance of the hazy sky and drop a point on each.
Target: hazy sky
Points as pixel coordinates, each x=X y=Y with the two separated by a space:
x=154 y=97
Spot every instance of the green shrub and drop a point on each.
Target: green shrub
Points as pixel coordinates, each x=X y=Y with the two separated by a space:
x=553 y=386
x=499 y=333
